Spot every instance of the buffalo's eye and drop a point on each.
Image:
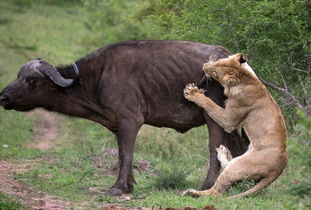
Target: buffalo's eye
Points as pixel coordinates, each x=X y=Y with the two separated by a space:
x=31 y=81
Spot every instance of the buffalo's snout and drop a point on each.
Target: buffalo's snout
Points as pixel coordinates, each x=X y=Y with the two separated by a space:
x=5 y=100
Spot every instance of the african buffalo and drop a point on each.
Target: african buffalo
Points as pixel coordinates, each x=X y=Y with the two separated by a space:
x=123 y=86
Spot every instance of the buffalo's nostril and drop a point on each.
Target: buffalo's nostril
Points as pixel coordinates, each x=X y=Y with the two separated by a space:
x=5 y=100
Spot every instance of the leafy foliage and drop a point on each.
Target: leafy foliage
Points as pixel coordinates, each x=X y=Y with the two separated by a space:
x=274 y=34
x=299 y=147
x=112 y=21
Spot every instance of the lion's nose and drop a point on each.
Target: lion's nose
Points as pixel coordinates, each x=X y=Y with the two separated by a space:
x=206 y=66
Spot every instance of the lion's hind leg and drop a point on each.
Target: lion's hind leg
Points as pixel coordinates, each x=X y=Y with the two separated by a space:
x=236 y=170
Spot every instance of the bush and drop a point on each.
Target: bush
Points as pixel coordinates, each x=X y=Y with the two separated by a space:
x=299 y=148
x=274 y=34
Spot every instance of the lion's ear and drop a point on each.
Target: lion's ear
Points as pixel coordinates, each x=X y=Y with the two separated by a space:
x=231 y=80
x=242 y=58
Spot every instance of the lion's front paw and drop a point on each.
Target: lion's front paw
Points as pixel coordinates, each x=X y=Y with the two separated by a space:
x=191 y=192
x=191 y=91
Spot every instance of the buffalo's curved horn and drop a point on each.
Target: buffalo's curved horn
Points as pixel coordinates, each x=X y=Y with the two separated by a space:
x=51 y=72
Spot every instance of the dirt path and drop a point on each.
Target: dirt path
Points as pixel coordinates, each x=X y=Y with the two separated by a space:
x=30 y=198
x=45 y=131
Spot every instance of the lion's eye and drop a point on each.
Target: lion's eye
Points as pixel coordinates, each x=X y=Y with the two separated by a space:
x=214 y=74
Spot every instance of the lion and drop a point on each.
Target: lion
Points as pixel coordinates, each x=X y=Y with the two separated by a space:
x=251 y=106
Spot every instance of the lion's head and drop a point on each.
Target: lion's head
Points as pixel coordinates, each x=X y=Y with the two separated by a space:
x=229 y=71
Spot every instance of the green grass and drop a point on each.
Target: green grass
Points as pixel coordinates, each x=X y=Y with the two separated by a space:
x=175 y=161
x=9 y=203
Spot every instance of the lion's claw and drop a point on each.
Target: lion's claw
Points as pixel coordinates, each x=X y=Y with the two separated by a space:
x=191 y=192
x=190 y=90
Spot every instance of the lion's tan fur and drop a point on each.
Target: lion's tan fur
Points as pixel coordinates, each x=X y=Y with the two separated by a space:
x=251 y=106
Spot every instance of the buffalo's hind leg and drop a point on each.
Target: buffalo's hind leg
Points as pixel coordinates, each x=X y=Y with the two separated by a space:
x=126 y=134
x=217 y=136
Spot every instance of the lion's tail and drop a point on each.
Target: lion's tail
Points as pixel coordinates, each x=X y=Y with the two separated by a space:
x=264 y=182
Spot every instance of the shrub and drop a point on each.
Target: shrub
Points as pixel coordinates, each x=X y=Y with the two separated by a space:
x=299 y=148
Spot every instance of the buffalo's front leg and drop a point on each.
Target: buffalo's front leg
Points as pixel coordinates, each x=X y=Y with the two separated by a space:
x=126 y=134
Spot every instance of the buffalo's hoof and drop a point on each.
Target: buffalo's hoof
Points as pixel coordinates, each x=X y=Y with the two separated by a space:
x=114 y=192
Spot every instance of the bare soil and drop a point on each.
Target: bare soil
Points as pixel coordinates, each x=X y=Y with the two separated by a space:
x=30 y=198
x=45 y=131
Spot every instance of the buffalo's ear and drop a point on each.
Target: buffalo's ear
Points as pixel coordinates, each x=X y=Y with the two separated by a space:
x=242 y=58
